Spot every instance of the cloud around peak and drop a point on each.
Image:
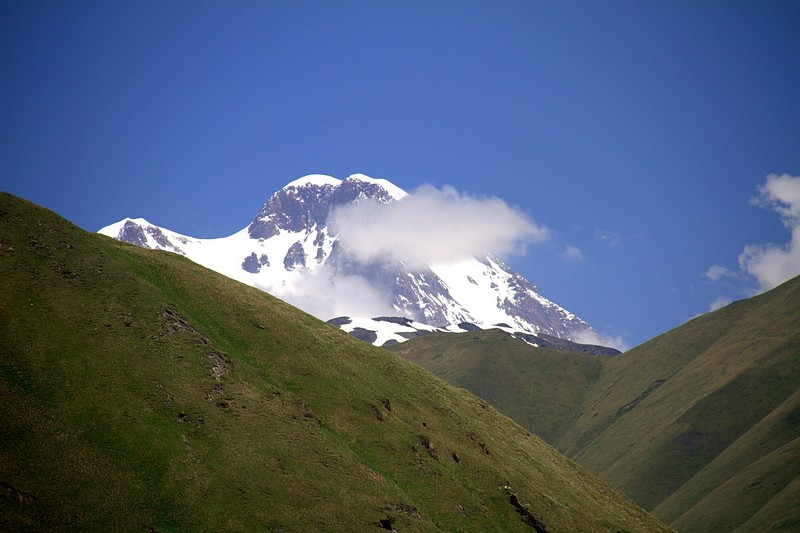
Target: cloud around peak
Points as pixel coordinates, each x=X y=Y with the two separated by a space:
x=434 y=225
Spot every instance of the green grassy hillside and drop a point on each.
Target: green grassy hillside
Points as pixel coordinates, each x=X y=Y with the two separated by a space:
x=725 y=403
x=701 y=424
x=139 y=391
x=541 y=389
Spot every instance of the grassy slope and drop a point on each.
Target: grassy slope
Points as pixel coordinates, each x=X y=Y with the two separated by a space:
x=699 y=424
x=724 y=373
x=756 y=471
x=539 y=388
x=139 y=390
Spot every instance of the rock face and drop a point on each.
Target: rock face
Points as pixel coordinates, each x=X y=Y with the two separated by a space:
x=295 y=257
x=305 y=205
x=294 y=225
x=253 y=264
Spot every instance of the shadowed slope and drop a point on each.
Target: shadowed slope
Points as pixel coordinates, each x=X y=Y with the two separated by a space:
x=720 y=394
x=141 y=391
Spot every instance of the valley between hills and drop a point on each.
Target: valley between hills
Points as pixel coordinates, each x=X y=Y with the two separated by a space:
x=700 y=426
x=141 y=391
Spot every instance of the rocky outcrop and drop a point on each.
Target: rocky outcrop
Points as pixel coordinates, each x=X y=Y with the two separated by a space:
x=253 y=264
x=295 y=257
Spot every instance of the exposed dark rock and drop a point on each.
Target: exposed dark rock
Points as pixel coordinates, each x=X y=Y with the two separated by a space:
x=525 y=514
x=307 y=414
x=412 y=334
x=220 y=364
x=133 y=233
x=292 y=209
x=251 y=264
x=403 y=321
x=295 y=257
x=159 y=237
x=339 y=321
x=429 y=447
x=176 y=322
x=307 y=207
x=397 y=509
x=364 y=335
x=468 y=326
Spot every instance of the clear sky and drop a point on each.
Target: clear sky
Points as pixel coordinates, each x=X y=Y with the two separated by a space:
x=636 y=132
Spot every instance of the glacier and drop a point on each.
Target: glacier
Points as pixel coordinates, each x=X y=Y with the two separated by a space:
x=290 y=250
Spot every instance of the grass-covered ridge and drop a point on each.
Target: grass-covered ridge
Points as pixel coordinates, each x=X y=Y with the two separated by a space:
x=700 y=425
x=140 y=391
x=542 y=389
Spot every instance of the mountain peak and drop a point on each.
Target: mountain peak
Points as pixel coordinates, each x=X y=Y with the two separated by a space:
x=394 y=191
x=318 y=180
x=305 y=203
x=322 y=180
x=289 y=250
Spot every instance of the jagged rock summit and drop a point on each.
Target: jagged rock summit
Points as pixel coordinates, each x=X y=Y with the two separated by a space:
x=290 y=250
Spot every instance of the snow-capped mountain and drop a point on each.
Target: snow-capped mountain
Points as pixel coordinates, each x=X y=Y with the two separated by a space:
x=291 y=250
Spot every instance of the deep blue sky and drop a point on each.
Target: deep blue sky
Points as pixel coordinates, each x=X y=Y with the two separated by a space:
x=636 y=131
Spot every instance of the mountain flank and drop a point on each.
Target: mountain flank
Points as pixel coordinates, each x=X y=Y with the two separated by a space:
x=294 y=250
x=701 y=425
x=139 y=390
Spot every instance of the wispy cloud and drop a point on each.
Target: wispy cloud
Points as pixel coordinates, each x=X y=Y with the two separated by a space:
x=717 y=272
x=772 y=264
x=719 y=303
x=434 y=225
x=611 y=238
x=327 y=294
x=572 y=253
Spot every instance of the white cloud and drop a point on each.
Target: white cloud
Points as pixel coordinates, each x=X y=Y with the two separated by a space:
x=719 y=303
x=716 y=272
x=433 y=225
x=571 y=253
x=327 y=295
x=772 y=264
x=589 y=336
x=611 y=238
x=782 y=194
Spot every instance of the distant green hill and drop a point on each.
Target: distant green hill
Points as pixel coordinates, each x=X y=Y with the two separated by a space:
x=700 y=425
x=540 y=388
x=139 y=391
